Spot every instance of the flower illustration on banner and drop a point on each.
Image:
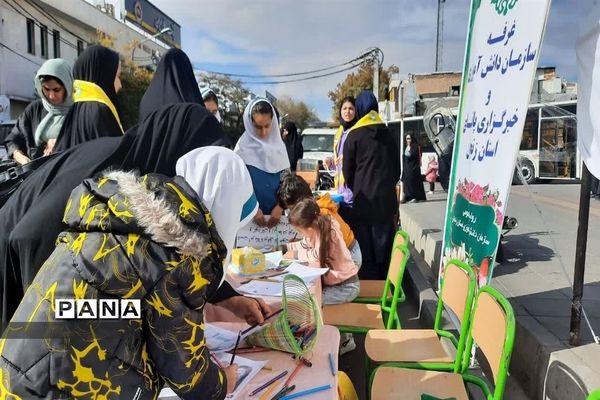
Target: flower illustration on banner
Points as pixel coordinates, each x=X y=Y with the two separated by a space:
x=477 y=218
x=455 y=253
x=478 y=194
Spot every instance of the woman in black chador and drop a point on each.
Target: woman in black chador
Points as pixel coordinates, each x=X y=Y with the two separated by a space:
x=293 y=143
x=95 y=112
x=173 y=82
x=412 y=183
x=32 y=217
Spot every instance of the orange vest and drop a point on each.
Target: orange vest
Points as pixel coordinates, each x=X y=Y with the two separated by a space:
x=328 y=207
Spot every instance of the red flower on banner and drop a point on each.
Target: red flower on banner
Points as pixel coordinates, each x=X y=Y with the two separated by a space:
x=478 y=194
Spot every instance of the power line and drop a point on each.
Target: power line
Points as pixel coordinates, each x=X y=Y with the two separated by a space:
x=303 y=79
x=19 y=54
x=52 y=18
x=37 y=22
x=361 y=57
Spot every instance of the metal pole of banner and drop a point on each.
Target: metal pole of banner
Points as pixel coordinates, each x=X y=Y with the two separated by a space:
x=580 y=249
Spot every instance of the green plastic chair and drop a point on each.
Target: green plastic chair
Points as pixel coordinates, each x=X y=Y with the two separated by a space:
x=422 y=348
x=595 y=395
x=492 y=328
x=359 y=318
x=371 y=291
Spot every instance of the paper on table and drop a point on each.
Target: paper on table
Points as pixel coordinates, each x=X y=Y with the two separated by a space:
x=305 y=273
x=247 y=370
x=273 y=259
x=262 y=288
x=219 y=339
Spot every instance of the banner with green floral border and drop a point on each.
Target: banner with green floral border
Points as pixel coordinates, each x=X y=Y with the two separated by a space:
x=502 y=52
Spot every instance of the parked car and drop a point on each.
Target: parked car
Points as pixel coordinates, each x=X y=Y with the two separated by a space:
x=318 y=145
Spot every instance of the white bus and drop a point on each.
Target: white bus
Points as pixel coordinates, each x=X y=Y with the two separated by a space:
x=548 y=145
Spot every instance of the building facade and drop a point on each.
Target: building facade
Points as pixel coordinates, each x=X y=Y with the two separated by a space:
x=33 y=31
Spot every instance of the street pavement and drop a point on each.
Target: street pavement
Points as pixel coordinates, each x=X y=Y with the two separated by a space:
x=537 y=272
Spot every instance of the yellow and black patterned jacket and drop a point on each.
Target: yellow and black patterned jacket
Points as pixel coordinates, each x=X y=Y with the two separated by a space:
x=145 y=238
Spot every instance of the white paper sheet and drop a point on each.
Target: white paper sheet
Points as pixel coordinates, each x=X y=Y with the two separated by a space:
x=262 y=288
x=247 y=370
x=219 y=339
x=273 y=259
x=307 y=274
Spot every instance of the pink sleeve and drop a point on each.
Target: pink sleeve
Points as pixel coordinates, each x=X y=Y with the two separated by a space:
x=304 y=252
x=342 y=266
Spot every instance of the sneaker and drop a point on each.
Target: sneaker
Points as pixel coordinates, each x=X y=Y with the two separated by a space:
x=430 y=192
x=347 y=344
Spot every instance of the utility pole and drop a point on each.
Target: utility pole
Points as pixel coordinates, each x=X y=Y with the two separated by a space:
x=439 y=41
x=377 y=61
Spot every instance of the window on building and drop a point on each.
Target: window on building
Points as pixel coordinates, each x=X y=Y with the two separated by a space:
x=79 y=47
x=455 y=90
x=56 y=42
x=30 y=36
x=44 y=41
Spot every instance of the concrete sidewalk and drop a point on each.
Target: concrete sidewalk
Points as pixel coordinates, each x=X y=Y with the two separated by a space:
x=532 y=278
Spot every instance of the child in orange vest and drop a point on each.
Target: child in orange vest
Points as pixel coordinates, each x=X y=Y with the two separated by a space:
x=293 y=189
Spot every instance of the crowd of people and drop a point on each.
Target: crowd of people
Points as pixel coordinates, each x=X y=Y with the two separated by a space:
x=152 y=214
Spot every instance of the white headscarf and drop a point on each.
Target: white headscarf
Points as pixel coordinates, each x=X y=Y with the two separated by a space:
x=270 y=154
x=205 y=92
x=223 y=184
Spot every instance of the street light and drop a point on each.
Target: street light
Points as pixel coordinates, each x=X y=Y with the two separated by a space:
x=164 y=30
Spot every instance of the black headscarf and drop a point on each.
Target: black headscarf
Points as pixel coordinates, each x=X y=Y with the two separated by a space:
x=173 y=82
x=365 y=103
x=32 y=217
x=89 y=120
x=188 y=125
x=347 y=124
x=293 y=144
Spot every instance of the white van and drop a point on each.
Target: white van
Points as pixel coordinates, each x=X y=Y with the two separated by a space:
x=318 y=143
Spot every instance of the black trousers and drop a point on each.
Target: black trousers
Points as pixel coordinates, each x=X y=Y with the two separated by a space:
x=375 y=242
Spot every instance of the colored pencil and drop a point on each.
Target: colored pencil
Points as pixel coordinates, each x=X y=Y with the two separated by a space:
x=331 y=365
x=266 y=394
x=263 y=278
x=237 y=342
x=266 y=318
x=306 y=392
x=216 y=360
x=252 y=350
x=285 y=390
x=294 y=373
x=269 y=382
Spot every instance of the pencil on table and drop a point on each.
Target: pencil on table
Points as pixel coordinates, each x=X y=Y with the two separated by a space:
x=266 y=394
x=269 y=382
x=294 y=373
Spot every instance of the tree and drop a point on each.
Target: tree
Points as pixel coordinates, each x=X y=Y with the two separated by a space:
x=135 y=80
x=297 y=111
x=233 y=98
x=355 y=82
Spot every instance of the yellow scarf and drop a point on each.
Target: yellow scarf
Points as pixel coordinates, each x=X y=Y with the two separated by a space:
x=88 y=91
x=372 y=118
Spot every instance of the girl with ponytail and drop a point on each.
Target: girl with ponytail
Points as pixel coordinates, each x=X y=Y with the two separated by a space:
x=323 y=246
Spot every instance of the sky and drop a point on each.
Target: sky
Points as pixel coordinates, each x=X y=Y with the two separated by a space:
x=287 y=36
